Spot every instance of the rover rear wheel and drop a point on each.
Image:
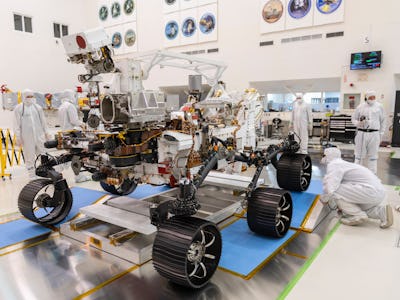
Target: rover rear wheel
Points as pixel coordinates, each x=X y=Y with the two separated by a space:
x=41 y=202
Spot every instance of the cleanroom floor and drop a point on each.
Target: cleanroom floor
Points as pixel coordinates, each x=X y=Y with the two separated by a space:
x=356 y=262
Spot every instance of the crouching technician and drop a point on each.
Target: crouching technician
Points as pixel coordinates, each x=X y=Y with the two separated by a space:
x=354 y=190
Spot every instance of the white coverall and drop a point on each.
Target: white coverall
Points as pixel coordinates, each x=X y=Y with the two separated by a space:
x=68 y=118
x=358 y=193
x=67 y=112
x=301 y=119
x=30 y=129
x=367 y=143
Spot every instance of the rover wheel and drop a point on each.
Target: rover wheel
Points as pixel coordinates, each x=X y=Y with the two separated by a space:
x=294 y=172
x=269 y=212
x=127 y=187
x=40 y=202
x=187 y=250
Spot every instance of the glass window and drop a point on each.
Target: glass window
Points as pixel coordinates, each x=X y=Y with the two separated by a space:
x=64 y=30
x=331 y=101
x=18 y=22
x=56 y=28
x=279 y=102
x=28 y=24
x=319 y=101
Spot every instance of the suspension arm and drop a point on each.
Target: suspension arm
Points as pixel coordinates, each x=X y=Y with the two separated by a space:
x=263 y=158
x=47 y=162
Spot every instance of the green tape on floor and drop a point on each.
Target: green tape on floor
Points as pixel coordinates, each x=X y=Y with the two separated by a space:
x=307 y=264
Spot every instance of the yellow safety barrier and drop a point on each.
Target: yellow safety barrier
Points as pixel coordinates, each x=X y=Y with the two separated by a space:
x=10 y=155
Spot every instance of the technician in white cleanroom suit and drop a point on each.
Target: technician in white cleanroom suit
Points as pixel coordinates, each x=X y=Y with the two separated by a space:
x=354 y=190
x=67 y=112
x=301 y=121
x=69 y=120
x=30 y=129
x=369 y=118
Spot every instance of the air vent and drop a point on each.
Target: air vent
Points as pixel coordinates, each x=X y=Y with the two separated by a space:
x=194 y=52
x=301 y=38
x=267 y=43
x=334 y=34
x=212 y=50
x=316 y=36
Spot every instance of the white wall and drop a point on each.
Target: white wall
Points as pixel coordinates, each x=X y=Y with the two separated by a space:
x=323 y=58
x=37 y=60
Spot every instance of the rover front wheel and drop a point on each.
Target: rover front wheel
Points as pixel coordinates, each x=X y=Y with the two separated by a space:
x=187 y=250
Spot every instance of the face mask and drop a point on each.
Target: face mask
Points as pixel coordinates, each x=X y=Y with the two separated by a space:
x=29 y=101
x=370 y=102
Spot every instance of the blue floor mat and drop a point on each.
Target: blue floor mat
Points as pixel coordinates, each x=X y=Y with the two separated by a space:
x=302 y=202
x=82 y=197
x=243 y=250
x=22 y=229
x=146 y=190
x=315 y=187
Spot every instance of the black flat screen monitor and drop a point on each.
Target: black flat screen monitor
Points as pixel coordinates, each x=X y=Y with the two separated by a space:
x=366 y=60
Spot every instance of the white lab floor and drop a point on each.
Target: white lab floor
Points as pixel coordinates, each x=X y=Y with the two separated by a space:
x=357 y=262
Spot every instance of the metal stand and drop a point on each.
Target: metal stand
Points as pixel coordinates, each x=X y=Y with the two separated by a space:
x=121 y=226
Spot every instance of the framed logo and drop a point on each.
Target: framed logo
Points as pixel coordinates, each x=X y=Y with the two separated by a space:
x=103 y=13
x=117 y=40
x=115 y=10
x=130 y=37
x=188 y=27
x=129 y=6
x=171 y=30
x=207 y=23
x=299 y=8
x=272 y=11
x=328 y=6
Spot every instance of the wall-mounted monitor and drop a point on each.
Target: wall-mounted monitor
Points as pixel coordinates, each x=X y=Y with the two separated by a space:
x=366 y=60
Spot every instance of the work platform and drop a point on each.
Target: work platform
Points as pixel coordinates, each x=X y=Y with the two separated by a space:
x=121 y=225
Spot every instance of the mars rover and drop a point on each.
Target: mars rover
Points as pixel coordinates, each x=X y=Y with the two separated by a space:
x=143 y=142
